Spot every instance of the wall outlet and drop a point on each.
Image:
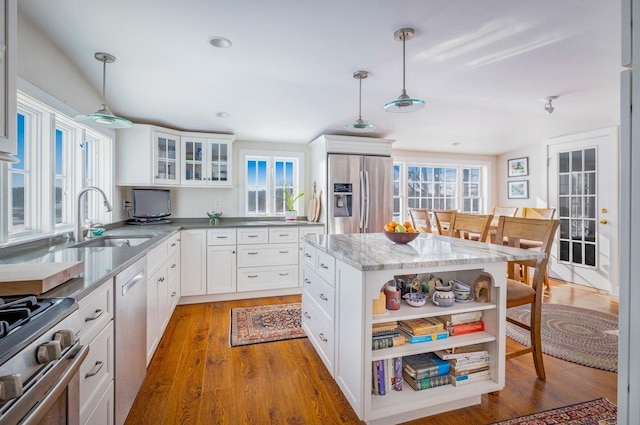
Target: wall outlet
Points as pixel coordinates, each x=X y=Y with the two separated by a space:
x=217 y=204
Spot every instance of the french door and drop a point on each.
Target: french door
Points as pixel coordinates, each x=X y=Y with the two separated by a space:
x=583 y=187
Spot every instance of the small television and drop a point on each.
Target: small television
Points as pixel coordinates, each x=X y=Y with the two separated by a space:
x=150 y=204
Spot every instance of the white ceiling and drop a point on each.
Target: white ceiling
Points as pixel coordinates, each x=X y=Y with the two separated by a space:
x=482 y=66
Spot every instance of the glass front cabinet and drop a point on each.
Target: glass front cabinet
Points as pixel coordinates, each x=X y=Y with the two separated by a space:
x=166 y=164
x=206 y=159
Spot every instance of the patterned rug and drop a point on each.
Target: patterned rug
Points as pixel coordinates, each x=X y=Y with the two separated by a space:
x=575 y=334
x=594 y=412
x=266 y=323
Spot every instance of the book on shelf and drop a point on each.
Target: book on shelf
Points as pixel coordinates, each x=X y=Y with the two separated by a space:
x=398 y=380
x=468 y=370
x=387 y=342
x=465 y=351
x=458 y=318
x=386 y=375
x=381 y=377
x=472 y=361
x=466 y=328
x=382 y=336
x=468 y=379
x=426 y=383
x=414 y=339
x=424 y=365
x=384 y=328
x=421 y=326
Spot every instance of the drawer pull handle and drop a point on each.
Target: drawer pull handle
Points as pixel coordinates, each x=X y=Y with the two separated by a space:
x=307 y=255
x=323 y=266
x=252 y=253
x=97 y=314
x=323 y=298
x=173 y=294
x=252 y=236
x=283 y=252
x=173 y=266
x=252 y=275
x=307 y=315
x=283 y=234
x=307 y=281
x=161 y=279
x=221 y=237
x=283 y=274
x=95 y=370
x=173 y=244
x=321 y=336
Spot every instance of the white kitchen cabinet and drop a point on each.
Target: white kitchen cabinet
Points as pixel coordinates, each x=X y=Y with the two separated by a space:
x=221 y=269
x=193 y=259
x=306 y=256
x=148 y=155
x=97 y=371
x=207 y=159
x=8 y=62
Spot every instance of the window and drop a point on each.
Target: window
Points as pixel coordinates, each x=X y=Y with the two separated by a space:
x=437 y=187
x=57 y=158
x=265 y=180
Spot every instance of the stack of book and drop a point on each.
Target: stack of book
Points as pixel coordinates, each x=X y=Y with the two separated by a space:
x=425 y=370
x=423 y=329
x=466 y=364
x=463 y=323
x=385 y=335
x=386 y=376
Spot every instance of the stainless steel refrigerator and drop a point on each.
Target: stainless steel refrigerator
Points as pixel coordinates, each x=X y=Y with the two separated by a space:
x=360 y=193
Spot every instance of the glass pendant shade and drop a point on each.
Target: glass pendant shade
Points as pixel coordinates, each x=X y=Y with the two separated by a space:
x=360 y=125
x=103 y=117
x=404 y=103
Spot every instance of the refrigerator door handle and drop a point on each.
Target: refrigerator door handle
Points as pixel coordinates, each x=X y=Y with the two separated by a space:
x=367 y=201
x=363 y=202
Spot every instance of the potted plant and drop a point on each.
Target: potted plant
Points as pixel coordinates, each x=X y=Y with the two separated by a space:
x=290 y=199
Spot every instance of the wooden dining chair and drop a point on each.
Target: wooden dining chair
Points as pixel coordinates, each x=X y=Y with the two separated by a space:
x=420 y=219
x=540 y=213
x=544 y=213
x=514 y=229
x=461 y=225
x=443 y=218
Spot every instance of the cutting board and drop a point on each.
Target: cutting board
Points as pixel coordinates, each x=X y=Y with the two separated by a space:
x=36 y=278
x=318 y=206
x=311 y=210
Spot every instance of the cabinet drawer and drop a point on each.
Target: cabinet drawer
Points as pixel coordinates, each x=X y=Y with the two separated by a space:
x=309 y=256
x=326 y=267
x=103 y=412
x=221 y=237
x=96 y=372
x=259 y=278
x=96 y=310
x=321 y=292
x=267 y=255
x=281 y=234
x=173 y=244
x=319 y=332
x=308 y=230
x=253 y=235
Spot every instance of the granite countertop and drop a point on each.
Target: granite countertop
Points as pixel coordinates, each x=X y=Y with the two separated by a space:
x=102 y=263
x=373 y=251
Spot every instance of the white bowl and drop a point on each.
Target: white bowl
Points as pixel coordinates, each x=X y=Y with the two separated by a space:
x=415 y=299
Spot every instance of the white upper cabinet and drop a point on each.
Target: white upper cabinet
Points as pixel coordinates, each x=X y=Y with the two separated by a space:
x=206 y=159
x=166 y=158
x=8 y=35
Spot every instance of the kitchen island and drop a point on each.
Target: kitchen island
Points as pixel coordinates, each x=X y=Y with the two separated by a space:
x=344 y=274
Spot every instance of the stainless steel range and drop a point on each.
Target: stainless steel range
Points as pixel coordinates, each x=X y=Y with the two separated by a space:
x=39 y=359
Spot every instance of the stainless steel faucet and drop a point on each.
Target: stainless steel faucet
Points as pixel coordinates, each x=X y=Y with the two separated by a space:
x=79 y=232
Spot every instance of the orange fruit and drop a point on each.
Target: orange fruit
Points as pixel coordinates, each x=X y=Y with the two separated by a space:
x=407 y=224
x=389 y=228
x=393 y=223
x=410 y=230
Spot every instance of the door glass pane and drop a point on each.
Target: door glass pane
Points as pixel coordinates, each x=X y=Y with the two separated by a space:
x=576 y=206
x=576 y=252
x=564 y=251
x=223 y=151
x=162 y=148
x=171 y=148
x=563 y=184
x=563 y=162
x=590 y=207
x=590 y=255
x=563 y=210
x=576 y=184
x=590 y=184
x=590 y=230
x=576 y=161
x=564 y=229
x=576 y=229
x=590 y=159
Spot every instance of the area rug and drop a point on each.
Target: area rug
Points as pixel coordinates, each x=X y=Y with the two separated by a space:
x=266 y=323
x=575 y=334
x=595 y=412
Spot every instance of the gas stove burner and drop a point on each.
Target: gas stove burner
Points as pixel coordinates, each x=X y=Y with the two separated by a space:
x=18 y=311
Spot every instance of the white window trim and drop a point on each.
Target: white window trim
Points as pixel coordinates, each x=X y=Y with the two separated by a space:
x=243 y=154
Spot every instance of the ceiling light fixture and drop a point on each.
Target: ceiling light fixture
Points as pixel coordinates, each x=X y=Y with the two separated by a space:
x=404 y=103
x=548 y=106
x=220 y=42
x=359 y=125
x=103 y=117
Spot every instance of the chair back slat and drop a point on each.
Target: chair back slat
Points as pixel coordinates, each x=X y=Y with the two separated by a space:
x=420 y=219
x=543 y=213
x=462 y=224
x=443 y=219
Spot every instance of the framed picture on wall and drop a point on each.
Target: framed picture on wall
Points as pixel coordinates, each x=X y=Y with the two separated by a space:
x=518 y=189
x=518 y=167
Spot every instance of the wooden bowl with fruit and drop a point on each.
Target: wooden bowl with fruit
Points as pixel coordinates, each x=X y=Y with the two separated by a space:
x=401 y=233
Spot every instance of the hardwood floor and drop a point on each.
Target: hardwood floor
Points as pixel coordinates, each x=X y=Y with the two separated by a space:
x=196 y=378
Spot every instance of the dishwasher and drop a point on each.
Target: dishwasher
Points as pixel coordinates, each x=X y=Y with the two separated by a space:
x=130 y=336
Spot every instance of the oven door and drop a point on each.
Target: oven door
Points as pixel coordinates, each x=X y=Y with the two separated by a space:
x=53 y=398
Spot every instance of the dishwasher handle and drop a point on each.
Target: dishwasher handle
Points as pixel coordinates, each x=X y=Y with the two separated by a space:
x=130 y=284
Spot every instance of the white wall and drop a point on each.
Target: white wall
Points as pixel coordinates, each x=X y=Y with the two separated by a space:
x=537 y=178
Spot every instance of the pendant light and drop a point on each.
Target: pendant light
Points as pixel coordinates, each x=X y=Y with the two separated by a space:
x=359 y=125
x=103 y=117
x=404 y=103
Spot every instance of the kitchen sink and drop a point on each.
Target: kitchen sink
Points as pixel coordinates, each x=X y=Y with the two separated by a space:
x=113 y=242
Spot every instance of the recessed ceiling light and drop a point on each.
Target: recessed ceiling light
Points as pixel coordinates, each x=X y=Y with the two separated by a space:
x=223 y=115
x=220 y=42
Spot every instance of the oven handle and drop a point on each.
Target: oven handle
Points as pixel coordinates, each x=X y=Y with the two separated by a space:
x=61 y=376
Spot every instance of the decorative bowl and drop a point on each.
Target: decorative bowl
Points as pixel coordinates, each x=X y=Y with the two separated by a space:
x=402 y=238
x=415 y=299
